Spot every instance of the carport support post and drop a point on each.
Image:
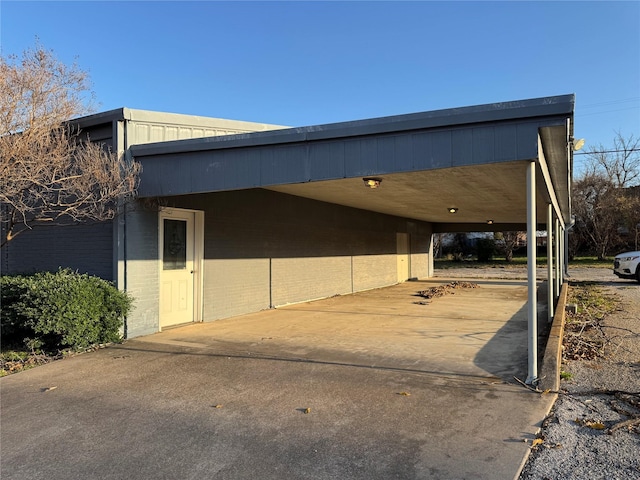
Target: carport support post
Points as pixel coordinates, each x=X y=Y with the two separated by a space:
x=561 y=263
x=532 y=377
x=565 y=252
x=557 y=257
x=551 y=299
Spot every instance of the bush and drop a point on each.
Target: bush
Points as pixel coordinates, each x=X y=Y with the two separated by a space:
x=61 y=310
x=486 y=249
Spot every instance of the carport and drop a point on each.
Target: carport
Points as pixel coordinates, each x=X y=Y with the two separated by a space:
x=497 y=167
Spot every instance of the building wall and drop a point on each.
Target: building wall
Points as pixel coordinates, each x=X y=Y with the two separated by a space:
x=264 y=249
x=85 y=248
x=142 y=271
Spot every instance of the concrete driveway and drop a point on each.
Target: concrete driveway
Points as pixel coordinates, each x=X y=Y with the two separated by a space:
x=394 y=390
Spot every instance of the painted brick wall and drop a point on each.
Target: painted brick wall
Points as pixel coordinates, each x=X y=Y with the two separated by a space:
x=142 y=271
x=235 y=286
x=373 y=271
x=308 y=278
x=264 y=249
x=85 y=248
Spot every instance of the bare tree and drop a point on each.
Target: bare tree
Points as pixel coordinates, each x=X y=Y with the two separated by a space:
x=49 y=173
x=605 y=202
x=507 y=243
x=630 y=207
x=597 y=208
x=620 y=164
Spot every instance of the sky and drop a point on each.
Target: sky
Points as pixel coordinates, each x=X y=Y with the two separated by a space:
x=300 y=63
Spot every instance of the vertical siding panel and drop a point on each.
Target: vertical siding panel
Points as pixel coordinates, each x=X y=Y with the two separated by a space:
x=403 y=153
x=506 y=143
x=483 y=142
x=462 y=147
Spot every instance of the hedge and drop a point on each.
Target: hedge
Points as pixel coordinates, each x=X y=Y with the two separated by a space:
x=61 y=310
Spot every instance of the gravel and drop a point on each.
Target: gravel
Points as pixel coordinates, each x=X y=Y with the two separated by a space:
x=576 y=441
x=574 y=446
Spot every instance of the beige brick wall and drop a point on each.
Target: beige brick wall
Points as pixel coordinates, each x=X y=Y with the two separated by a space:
x=265 y=249
x=235 y=286
x=372 y=271
x=307 y=278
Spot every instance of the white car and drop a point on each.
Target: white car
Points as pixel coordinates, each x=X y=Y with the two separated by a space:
x=627 y=265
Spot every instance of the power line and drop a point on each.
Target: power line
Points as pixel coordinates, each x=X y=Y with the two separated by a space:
x=611 y=102
x=606 y=111
x=593 y=152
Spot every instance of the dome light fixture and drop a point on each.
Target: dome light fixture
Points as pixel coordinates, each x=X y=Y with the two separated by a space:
x=372 y=182
x=453 y=209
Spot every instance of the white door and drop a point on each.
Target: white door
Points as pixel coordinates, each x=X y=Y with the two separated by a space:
x=177 y=234
x=403 y=256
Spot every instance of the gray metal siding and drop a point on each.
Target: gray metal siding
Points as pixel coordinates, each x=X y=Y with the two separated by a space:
x=150 y=131
x=220 y=168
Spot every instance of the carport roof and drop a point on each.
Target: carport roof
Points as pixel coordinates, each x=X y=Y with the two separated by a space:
x=472 y=158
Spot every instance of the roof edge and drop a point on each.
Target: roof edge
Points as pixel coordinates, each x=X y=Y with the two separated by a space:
x=561 y=105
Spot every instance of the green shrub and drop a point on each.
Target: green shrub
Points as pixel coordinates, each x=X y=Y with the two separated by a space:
x=486 y=248
x=61 y=310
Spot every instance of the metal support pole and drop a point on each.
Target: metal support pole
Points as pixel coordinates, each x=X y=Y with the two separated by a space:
x=566 y=251
x=561 y=262
x=550 y=282
x=557 y=257
x=532 y=312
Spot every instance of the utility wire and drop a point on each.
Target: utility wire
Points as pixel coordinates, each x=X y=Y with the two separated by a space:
x=605 y=111
x=607 y=151
x=611 y=102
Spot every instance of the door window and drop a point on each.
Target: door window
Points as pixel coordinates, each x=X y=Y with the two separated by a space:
x=174 y=255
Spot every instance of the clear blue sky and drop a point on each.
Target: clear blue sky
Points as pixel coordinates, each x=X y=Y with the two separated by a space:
x=308 y=63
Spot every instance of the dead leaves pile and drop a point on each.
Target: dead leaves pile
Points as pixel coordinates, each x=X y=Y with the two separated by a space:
x=15 y=365
x=442 y=290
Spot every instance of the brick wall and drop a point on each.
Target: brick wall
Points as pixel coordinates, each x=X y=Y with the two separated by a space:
x=265 y=249
x=142 y=271
x=85 y=248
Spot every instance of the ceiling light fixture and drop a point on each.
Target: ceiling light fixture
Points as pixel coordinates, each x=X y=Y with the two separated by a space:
x=490 y=222
x=453 y=209
x=371 y=182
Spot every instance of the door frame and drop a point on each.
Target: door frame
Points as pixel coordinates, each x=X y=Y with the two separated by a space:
x=198 y=260
x=403 y=256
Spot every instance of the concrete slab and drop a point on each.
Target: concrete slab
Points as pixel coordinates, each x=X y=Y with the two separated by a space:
x=227 y=399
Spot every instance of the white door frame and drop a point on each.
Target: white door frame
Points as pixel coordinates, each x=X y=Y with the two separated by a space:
x=198 y=259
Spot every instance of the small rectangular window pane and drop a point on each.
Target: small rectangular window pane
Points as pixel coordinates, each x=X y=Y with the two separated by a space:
x=174 y=255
